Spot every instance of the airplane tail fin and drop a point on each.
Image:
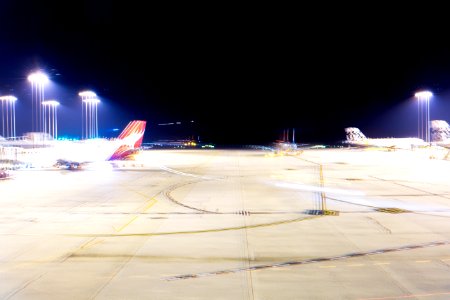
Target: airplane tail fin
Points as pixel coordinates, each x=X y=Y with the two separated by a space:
x=440 y=130
x=130 y=139
x=354 y=134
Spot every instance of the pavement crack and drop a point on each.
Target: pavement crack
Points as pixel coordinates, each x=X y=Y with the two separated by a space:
x=381 y=226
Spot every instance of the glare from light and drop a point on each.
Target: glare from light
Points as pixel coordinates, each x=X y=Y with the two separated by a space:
x=423 y=95
x=8 y=116
x=93 y=100
x=313 y=188
x=50 y=102
x=8 y=98
x=38 y=77
x=87 y=94
x=423 y=113
x=89 y=114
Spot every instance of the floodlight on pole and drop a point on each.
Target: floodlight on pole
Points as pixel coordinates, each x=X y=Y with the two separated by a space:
x=8 y=116
x=423 y=113
x=89 y=114
x=51 y=115
x=87 y=94
x=37 y=79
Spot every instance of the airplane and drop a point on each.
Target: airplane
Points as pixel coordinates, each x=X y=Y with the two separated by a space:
x=284 y=145
x=356 y=138
x=74 y=155
x=279 y=145
x=440 y=133
x=28 y=141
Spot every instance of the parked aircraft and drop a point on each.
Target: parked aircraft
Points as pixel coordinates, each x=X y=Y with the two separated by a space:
x=29 y=140
x=356 y=138
x=440 y=133
x=73 y=155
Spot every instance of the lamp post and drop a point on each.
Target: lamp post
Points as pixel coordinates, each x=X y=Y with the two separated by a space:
x=8 y=116
x=423 y=111
x=51 y=115
x=37 y=79
x=89 y=114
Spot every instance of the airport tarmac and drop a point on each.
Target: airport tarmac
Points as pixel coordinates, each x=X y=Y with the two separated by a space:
x=231 y=224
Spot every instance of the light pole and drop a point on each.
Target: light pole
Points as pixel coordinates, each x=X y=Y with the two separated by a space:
x=89 y=114
x=37 y=79
x=51 y=115
x=423 y=112
x=8 y=115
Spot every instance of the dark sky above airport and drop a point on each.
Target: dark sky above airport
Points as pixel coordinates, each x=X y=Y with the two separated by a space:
x=242 y=73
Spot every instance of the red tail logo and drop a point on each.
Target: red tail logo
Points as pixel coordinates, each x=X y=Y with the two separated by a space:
x=130 y=139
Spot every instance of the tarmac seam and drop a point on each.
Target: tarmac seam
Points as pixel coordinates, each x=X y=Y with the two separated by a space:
x=410 y=187
x=417 y=212
x=196 y=231
x=307 y=261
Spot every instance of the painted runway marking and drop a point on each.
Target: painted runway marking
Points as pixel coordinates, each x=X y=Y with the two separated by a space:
x=90 y=243
x=126 y=224
x=307 y=261
x=152 y=202
x=406 y=296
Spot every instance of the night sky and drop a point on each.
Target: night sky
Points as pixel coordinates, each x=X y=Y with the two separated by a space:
x=243 y=74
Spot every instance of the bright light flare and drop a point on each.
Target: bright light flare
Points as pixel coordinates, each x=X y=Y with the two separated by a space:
x=38 y=77
x=423 y=95
x=50 y=103
x=94 y=100
x=105 y=166
x=8 y=98
x=312 y=188
x=87 y=94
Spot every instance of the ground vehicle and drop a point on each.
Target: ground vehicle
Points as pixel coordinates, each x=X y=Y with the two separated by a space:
x=4 y=175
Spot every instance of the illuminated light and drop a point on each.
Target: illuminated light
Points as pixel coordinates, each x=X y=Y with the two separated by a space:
x=423 y=113
x=50 y=125
x=94 y=100
x=8 y=116
x=50 y=102
x=8 y=98
x=89 y=112
x=87 y=94
x=38 y=77
x=423 y=95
